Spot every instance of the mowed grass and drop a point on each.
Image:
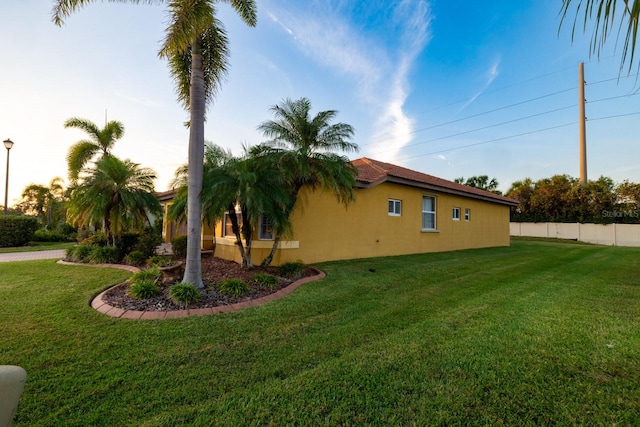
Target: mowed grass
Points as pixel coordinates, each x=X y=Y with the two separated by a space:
x=535 y=334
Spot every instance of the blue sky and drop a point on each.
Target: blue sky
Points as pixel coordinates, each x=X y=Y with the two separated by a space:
x=449 y=88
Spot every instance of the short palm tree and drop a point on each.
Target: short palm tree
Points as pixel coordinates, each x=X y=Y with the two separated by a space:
x=99 y=142
x=197 y=48
x=118 y=194
x=306 y=148
x=253 y=184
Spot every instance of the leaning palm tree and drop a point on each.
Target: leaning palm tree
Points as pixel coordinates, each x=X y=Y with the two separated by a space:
x=99 y=141
x=306 y=148
x=605 y=13
x=118 y=194
x=197 y=49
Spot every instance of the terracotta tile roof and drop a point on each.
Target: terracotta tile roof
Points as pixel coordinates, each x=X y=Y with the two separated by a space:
x=372 y=172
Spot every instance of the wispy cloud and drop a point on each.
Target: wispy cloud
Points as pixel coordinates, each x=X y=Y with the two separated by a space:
x=379 y=67
x=491 y=74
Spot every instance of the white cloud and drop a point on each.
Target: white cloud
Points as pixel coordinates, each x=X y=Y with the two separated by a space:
x=379 y=70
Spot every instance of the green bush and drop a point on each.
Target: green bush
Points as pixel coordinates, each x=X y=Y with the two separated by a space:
x=98 y=238
x=135 y=258
x=17 y=230
x=150 y=275
x=104 y=255
x=179 y=245
x=291 y=270
x=233 y=287
x=143 y=289
x=43 y=235
x=148 y=241
x=265 y=280
x=184 y=293
x=80 y=253
x=126 y=243
x=159 y=261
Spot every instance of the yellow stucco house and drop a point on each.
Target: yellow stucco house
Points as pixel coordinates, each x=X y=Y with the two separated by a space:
x=397 y=211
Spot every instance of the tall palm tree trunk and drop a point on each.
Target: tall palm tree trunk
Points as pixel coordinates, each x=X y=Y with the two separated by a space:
x=193 y=268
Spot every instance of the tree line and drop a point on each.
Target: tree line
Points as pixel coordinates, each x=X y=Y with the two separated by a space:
x=563 y=198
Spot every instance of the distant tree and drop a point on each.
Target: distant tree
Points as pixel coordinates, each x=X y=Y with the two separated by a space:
x=306 y=149
x=44 y=202
x=100 y=142
x=117 y=194
x=482 y=182
x=563 y=198
x=522 y=191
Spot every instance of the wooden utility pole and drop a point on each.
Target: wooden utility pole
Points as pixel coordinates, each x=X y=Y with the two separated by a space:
x=582 y=125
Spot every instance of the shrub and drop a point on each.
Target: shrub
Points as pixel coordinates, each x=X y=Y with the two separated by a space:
x=265 y=280
x=151 y=275
x=98 y=238
x=159 y=261
x=291 y=270
x=148 y=241
x=49 y=236
x=135 y=258
x=103 y=255
x=126 y=243
x=80 y=253
x=17 y=230
x=143 y=289
x=184 y=293
x=179 y=245
x=233 y=287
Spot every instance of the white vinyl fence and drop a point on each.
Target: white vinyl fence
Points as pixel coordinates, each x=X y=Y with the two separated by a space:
x=602 y=234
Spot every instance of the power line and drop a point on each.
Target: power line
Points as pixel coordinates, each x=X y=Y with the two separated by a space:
x=491 y=140
x=481 y=128
x=475 y=115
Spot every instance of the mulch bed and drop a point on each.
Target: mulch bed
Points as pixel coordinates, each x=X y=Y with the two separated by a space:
x=214 y=270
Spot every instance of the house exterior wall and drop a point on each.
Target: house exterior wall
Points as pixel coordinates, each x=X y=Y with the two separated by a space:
x=324 y=230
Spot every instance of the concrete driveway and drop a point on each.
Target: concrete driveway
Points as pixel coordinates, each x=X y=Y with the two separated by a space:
x=28 y=256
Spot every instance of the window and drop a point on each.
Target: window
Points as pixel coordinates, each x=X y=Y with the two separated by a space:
x=395 y=207
x=455 y=214
x=467 y=214
x=428 y=213
x=266 y=232
x=227 y=230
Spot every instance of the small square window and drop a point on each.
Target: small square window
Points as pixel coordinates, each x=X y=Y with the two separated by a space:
x=395 y=207
x=467 y=214
x=455 y=214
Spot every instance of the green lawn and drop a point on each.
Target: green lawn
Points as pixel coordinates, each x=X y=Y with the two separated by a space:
x=38 y=246
x=536 y=334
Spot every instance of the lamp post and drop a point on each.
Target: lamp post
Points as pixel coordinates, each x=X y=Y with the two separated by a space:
x=7 y=144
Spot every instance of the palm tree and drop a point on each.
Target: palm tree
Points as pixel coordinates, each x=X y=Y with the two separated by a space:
x=251 y=183
x=305 y=147
x=100 y=141
x=197 y=48
x=41 y=201
x=115 y=193
x=604 y=13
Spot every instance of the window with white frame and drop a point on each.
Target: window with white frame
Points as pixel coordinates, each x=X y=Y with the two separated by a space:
x=395 y=207
x=455 y=214
x=467 y=214
x=428 y=213
x=266 y=231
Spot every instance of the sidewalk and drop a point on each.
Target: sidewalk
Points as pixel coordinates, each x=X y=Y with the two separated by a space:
x=28 y=256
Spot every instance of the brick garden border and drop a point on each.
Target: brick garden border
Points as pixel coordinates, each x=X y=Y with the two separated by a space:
x=99 y=305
